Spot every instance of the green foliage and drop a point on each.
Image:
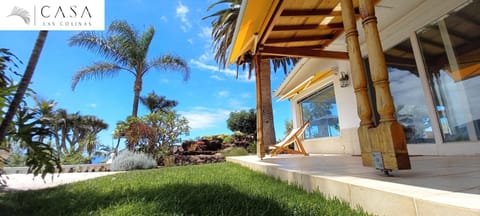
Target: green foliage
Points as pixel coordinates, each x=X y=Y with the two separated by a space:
x=25 y=135
x=156 y=103
x=74 y=158
x=243 y=121
x=125 y=49
x=17 y=157
x=41 y=157
x=235 y=151
x=149 y=133
x=252 y=148
x=228 y=139
x=213 y=189
x=128 y=160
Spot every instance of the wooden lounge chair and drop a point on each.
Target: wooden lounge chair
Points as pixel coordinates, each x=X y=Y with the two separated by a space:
x=295 y=136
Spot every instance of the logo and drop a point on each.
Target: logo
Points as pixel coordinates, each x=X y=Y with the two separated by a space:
x=22 y=13
x=52 y=15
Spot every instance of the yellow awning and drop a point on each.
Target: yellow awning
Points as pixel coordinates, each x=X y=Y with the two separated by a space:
x=465 y=73
x=307 y=83
x=255 y=17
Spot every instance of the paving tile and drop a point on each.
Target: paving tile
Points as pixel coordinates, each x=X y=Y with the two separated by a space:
x=436 y=185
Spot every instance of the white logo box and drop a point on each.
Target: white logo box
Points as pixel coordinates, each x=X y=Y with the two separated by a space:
x=67 y=15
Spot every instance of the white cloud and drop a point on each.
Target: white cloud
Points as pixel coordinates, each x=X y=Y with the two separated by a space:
x=92 y=105
x=243 y=76
x=223 y=93
x=216 y=77
x=203 y=117
x=237 y=104
x=245 y=95
x=181 y=12
x=206 y=33
x=206 y=56
x=163 y=19
x=214 y=68
x=190 y=41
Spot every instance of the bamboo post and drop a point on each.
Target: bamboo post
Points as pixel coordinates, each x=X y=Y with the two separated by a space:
x=388 y=138
x=359 y=80
x=258 y=81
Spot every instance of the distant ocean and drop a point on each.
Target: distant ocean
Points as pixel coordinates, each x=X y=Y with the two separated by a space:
x=98 y=160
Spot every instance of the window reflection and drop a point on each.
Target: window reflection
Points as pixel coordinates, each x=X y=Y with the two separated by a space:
x=409 y=99
x=321 y=110
x=451 y=51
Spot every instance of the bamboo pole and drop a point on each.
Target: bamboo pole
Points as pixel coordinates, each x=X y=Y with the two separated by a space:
x=359 y=80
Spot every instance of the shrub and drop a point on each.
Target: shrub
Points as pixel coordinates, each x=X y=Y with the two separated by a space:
x=228 y=139
x=243 y=121
x=235 y=151
x=128 y=160
x=252 y=147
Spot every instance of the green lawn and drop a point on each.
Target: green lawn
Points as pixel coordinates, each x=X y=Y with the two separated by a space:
x=214 y=189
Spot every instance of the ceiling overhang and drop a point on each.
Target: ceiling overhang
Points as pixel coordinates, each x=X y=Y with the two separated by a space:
x=280 y=28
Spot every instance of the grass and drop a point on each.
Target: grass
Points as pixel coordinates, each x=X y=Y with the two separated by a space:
x=213 y=189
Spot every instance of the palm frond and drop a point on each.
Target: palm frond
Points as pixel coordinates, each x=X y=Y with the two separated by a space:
x=144 y=44
x=223 y=28
x=156 y=103
x=22 y=13
x=231 y=2
x=99 y=44
x=170 y=62
x=127 y=40
x=98 y=70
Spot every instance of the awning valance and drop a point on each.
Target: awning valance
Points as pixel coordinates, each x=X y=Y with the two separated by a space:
x=307 y=83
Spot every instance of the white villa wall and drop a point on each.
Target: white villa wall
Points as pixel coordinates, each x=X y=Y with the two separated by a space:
x=347 y=142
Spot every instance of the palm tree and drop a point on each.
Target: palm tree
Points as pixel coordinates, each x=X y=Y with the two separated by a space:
x=23 y=84
x=92 y=126
x=126 y=50
x=223 y=28
x=45 y=109
x=156 y=103
x=62 y=128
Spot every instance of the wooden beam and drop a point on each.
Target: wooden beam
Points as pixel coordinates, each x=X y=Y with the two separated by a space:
x=402 y=63
x=466 y=18
x=302 y=52
x=333 y=26
x=258 y=83
x=299 y=39
x=276 y=14
x=315 y=12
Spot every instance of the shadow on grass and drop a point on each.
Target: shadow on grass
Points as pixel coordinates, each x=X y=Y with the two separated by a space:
x=170 y=199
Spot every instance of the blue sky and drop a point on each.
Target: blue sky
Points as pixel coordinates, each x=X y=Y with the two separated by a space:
x=205 y=100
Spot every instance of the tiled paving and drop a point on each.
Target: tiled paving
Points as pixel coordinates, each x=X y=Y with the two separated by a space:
x=434 y=186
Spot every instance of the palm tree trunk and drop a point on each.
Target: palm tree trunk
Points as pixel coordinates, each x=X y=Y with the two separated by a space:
x=137 y=88
x=23 y=85
x=266 y=94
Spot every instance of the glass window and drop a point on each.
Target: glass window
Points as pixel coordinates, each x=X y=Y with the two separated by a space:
x=321 y=110
x=409 y=99
x=451 y=52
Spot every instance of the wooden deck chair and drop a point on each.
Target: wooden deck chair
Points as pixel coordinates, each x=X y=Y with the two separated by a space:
x=295 y=136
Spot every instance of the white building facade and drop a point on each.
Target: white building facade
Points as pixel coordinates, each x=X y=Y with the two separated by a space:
x=432 y=51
